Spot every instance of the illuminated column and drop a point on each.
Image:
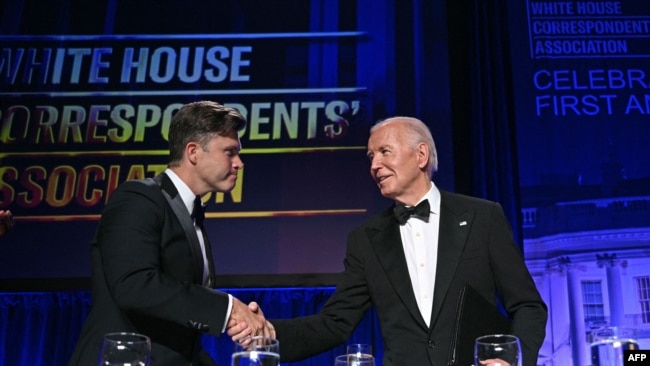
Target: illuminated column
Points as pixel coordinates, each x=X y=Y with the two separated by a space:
x=576 y=313
x=614 y=288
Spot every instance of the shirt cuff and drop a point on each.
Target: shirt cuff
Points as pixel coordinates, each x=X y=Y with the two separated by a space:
x=225 y=323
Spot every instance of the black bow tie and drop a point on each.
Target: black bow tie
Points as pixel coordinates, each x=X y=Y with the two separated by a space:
x=421 y=211
x=198 y=213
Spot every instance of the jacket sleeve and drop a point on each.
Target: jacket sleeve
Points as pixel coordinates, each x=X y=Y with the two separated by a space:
x=146 y=262
x=308 y=336
x=516 y=287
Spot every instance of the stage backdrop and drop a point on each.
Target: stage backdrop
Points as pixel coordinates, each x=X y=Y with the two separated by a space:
x=581 y=79
x=87 y=91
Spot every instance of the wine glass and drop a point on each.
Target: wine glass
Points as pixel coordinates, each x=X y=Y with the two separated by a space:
x=260 y=351
x=497 y=350
x=125 y=349
x=359 y=349
x=359 y=354
x=354 y=360
x=610 y=343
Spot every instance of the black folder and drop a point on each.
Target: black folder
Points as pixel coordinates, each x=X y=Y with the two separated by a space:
x=475 y=317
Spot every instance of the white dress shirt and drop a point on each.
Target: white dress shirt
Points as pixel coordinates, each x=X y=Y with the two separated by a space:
x=188 y=199
x=420 y=242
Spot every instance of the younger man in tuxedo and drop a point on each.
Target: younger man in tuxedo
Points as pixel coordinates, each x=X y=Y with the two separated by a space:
x=152 y=266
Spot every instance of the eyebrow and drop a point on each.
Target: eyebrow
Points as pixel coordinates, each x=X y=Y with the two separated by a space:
x=379 y=148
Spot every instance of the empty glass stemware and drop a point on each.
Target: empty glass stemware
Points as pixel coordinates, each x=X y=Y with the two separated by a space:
x=497 y=350
x=122 y=349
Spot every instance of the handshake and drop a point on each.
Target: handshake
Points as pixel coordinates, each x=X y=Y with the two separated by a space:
x=248 y=321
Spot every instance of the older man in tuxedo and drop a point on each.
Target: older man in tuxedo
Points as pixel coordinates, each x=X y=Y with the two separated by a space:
x=412 y=261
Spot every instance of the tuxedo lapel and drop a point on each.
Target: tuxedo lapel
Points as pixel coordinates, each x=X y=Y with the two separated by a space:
x=386 y=240
x=208 y=253
x=178 y=207
x=455 y=223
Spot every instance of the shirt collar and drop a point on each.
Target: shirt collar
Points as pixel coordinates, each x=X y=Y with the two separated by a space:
x=434 y=199
x=183 y=190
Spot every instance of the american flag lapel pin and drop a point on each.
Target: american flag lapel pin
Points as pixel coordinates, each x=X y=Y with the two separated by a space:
x=462 y=223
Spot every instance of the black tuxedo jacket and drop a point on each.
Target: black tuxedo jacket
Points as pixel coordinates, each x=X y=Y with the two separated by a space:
x=147 y=271
x=475 y=248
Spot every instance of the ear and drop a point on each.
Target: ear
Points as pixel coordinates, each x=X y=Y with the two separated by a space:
x=422 y=155
x=191 y=151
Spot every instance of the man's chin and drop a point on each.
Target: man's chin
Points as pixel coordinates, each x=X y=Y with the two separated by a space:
x=226 y=186
x=386 y=192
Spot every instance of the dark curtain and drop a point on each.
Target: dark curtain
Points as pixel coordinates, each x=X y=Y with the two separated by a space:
x=485 y=148
x=41 y=328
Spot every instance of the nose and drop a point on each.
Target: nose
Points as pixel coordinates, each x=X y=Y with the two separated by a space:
x=375 y=164
x=237 y=162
